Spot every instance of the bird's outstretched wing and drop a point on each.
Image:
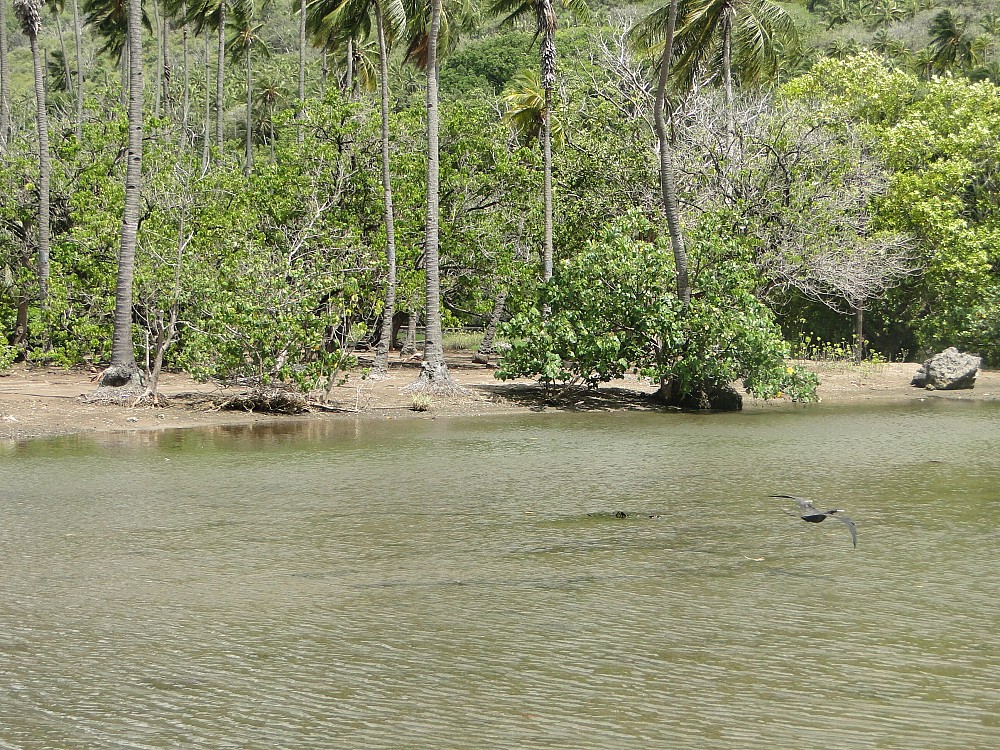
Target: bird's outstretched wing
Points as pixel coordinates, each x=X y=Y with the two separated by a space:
x=850 y=526
x=803 y=502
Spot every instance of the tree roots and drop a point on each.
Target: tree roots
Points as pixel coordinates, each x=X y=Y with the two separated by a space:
x=435 y=380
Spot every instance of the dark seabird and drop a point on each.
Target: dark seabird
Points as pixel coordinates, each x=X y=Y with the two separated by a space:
x=809 y=513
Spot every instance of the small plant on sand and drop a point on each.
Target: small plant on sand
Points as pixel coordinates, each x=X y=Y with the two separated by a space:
x=8 y=354
x=420 y=402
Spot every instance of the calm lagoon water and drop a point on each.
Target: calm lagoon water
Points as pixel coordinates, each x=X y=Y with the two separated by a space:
x=441 y=584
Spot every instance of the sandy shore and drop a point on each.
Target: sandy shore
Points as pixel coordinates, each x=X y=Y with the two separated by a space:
x=42 y=402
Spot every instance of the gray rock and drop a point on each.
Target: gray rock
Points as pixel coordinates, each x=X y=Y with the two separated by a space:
x=948 y=371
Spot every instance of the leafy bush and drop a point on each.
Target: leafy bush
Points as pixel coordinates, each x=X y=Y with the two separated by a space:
x=614 y=309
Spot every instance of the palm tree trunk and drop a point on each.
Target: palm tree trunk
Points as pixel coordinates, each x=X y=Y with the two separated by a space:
x=324 y=73
x=158 y=92
x=434 y=372
x=62 y=49
x=349 y=73
x=78 y=42
x=667 y=177
x=123 y=369
x=381 y=363
x=165 y=66
x=859 y=332
x=409 y=346
x=433 y=353
x=270 y=129
x=486 y=347
x=302 y=70
x=220 y=76
x=43 y=170
x=206 y=153
x=4 y=78
x=124 y=75
x=547 y=183
x=546 y=23
x=186 y=74
x=248 y=164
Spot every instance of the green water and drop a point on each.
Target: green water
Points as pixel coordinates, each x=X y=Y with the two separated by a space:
x=440 y=584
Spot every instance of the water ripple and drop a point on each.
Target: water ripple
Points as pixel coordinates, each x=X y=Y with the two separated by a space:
x=456 y=599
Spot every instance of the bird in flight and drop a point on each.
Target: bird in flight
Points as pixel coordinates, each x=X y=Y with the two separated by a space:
x=809 y=513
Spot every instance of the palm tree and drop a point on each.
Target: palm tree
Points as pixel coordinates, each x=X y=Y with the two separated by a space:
x=78 y=43
x=352 y=18
x=952 y=47
x=396 y=16
x=839 y=12
x=178 y=11
x=28 y=13
x=159 y=32
x=545 y=30
x=109 y=20
x=424 y=48
x=299 y=136
x=123 y=370
x=922 y=61
x=885 y=45
x=454 y=17
x=732 y=34
x=883 y=13
x=990 y=23
x=434 y=29
x=57 y=7
x=186 y=77
x=661 y=26
x=988 y=72
x=247 y=37
x=524 y=99
x=4 y=78
x=206 y=149
x=841 y=49
x=211 y=14
x=268 y=95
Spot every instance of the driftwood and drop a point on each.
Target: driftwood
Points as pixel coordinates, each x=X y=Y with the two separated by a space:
x=268 y=400
x=313 y=404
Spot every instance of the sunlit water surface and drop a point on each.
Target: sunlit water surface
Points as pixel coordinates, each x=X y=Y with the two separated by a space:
x=440 y=584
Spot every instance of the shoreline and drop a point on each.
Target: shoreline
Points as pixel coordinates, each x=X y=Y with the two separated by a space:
x=42 y=402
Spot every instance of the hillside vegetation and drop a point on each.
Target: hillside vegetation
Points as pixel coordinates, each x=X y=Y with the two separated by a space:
x=826 y=185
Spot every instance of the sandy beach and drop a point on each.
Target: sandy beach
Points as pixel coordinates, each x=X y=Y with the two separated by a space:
x=38 y=402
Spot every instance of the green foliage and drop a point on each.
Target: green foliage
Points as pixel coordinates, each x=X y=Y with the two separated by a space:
x=486 y=66
x=613 y=309
x=274 y=276
x=8 y=354
x=939 y=141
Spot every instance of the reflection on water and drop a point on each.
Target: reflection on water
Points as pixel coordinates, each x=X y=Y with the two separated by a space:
x=465 y=584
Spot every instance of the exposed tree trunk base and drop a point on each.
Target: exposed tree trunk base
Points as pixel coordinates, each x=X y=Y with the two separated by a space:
x=707 y=396
x=121 y=376
x=409 y=347
x=128 y=393
x=434 y=379
x=859 y=334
